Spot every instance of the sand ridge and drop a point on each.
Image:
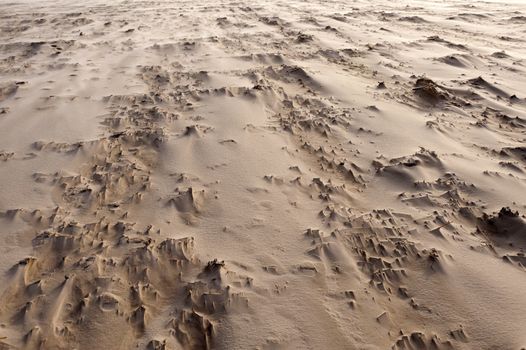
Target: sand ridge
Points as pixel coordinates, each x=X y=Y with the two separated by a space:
x=268 y=175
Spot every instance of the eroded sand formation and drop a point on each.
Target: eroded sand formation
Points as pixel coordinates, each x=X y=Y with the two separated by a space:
x=271 y=175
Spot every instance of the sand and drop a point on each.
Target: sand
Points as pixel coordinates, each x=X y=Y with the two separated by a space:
x=262 y=175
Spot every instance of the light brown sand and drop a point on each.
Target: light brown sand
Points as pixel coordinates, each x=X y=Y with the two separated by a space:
x=262 y=175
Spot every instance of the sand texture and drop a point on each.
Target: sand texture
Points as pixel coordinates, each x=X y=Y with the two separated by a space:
x=262 y=175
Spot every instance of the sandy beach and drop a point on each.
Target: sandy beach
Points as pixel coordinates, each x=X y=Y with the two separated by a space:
x=263 y=175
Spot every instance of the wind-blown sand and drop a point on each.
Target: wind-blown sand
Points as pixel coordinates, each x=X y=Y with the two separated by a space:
x=262 y=175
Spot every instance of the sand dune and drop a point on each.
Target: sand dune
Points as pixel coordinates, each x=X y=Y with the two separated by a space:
x=265 y=175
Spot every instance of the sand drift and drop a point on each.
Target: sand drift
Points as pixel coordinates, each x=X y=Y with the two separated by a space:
x=262 y=175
